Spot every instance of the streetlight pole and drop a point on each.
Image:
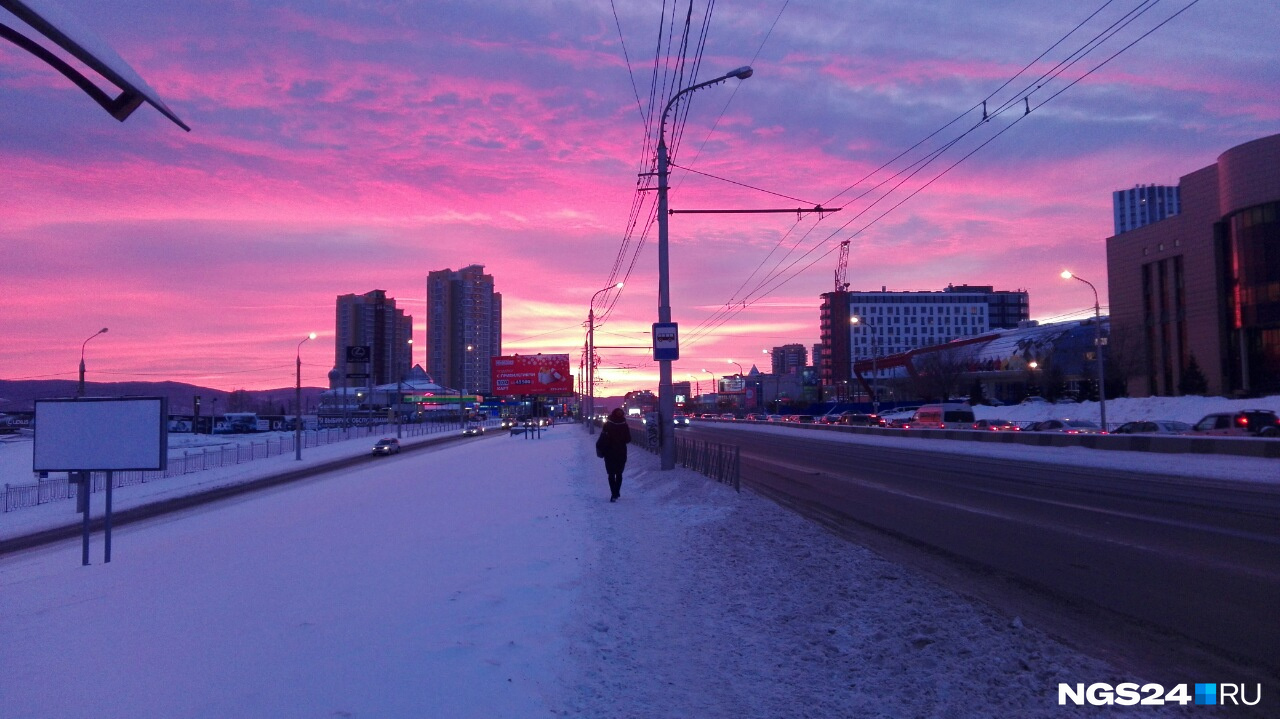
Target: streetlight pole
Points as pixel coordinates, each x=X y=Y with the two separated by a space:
x=742 y=379
x=297 y=402
x=1097 y=346
x=591 y=357
x=399 y=406
x=875 y=395
x=80 y=388
x=666 y=392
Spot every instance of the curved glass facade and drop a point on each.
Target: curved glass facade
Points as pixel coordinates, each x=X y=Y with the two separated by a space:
x=1253 y=300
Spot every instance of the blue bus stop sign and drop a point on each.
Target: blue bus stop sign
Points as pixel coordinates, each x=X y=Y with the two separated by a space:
x=666 y=341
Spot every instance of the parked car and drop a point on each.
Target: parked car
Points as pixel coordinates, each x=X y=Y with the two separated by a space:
x=861 y=419
x=387 y=445
x=996 y=425
x=1067 y=426
x=1034 y=400
x=1153 y=426
x=1245 y=423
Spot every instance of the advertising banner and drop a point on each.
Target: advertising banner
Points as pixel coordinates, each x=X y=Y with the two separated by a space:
x=531 y=374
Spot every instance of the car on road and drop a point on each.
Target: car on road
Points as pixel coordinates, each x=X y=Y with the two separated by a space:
x=680 y=419
x=861 y=419
x=387 y=445
x=993 y=424
x=507 y=423
x=1153 y=426
x=941 y=416
x=899 y=416
x=1245 y=423
x=473 y=430
x=728 y=415
x=1067 y=426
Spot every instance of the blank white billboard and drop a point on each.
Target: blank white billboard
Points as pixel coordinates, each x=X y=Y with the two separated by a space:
x=101 y=434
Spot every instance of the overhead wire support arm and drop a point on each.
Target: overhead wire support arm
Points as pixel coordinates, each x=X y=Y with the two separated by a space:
x=800 y=211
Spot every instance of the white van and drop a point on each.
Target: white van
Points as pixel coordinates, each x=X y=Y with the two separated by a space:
x=943 y=416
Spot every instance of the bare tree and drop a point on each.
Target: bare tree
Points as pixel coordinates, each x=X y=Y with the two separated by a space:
x=939 y=374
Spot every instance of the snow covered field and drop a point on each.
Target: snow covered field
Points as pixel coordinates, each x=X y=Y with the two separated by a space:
x=493 y=578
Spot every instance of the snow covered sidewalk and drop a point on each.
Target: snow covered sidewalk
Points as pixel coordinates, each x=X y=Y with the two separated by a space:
x=494 y=579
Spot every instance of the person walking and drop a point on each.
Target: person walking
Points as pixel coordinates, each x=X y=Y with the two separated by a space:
x=612 y=446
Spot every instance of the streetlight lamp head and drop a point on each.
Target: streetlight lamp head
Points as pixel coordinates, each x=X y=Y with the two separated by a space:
x=104 y=329
x=1066 y=274
x=742 y=73
x=619 y=285
x=854 y=320
x=311 y=336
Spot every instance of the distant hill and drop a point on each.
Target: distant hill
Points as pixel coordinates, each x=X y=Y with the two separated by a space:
x=20 y=395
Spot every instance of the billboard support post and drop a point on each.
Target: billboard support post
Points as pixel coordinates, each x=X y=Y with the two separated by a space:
x=83 y=492
x=106 y=525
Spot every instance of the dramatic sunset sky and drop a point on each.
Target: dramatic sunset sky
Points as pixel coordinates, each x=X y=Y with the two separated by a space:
x=341 y=146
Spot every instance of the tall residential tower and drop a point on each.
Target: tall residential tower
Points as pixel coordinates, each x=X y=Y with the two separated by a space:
x=371 y=320
x=464 y=328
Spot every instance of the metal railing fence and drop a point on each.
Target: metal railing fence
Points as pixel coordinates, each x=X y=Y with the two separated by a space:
x=19 y=496
x=717 y=461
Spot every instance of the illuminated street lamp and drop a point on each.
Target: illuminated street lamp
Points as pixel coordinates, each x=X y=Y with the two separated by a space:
x=297 y=400
x=1097 y=346
x=875 y=395
x=80 y=389
x=666 y=391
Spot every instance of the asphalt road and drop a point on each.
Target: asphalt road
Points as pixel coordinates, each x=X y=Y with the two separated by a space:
x=1197 y=557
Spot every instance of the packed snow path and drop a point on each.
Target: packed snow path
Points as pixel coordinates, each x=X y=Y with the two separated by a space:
x=494 y=579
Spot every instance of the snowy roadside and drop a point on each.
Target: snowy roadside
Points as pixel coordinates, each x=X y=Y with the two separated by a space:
x=703 y=602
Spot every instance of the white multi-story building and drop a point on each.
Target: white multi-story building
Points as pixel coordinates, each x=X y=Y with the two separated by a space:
x=1144 y=204
x=890 y=322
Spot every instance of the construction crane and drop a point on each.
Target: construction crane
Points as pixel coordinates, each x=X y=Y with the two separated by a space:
x=842 y=265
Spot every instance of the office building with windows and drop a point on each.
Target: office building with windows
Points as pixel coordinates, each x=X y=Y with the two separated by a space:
x=1141 y=205
x=1203 y=284
x=464 y=328
x=789 y=359
x=372 y=321
x=891 y=322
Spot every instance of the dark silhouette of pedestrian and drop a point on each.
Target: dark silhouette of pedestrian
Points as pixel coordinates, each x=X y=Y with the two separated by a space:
x=612 y=446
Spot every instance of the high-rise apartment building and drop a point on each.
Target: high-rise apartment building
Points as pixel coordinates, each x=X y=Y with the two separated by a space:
x=371 y=320
x=790 y=359
x=464 y=328
x=890 y=322
x=1144 y=204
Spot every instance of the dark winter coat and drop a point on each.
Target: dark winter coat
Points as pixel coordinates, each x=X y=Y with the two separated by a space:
x=614 y=438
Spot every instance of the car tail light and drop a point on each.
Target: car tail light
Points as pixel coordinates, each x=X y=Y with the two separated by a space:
x=1242 y=420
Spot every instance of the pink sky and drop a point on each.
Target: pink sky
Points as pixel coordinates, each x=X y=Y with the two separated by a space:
x=337 y=150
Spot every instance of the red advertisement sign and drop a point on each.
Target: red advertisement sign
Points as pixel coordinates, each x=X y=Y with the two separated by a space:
x=531 y=374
